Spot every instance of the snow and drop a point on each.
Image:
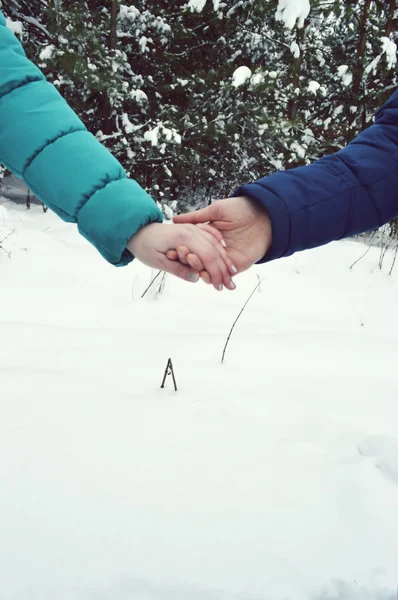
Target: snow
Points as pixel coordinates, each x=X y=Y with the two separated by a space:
x=293 y=12
x=171 y=135
x=271 y=477
x=390 y=50
x=139 y=96
x=346 y=76
x=295 y=49
x=257 y=79
x=372 y=66
x=338 y=110
x=313 y=87
x=143 y=43
x=47 y=52
x=128 y=13
x=298 y=149
x=240 y=76
x=15 y=26
x=197 y=5
x=168 y=212
x=127 y=124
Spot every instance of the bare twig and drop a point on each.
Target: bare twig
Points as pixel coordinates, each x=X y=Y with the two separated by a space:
x=364 y=254
x=169 y=371
x=237 y=318
x=3 y=240
x=393 y=262
x=152 y=282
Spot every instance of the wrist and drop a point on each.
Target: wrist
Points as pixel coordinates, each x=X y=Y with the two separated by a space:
x=263 y=227
x=136 y=240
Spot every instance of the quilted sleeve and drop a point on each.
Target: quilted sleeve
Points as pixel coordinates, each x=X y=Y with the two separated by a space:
x=44 y=142
x=352 y=191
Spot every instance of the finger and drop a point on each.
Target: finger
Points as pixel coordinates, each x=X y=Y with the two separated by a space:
x=215 y=267
x=179 y=270
x=216 y=233
x=215 y=261
x=195 y=262
x=230 y=264
x=172 y=254
x=205 y=277
x=198 y=216
x=182 y=252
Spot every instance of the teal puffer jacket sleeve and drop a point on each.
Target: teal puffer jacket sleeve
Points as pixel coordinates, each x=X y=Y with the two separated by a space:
x=44 y=142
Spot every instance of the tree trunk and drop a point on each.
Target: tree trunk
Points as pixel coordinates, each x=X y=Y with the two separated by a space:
x=106 y=107
x=296 y=67
x=358 y=70
x=390 y=17
x=112 y=34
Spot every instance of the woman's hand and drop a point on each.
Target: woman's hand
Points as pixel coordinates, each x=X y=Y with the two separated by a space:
x=152 y=243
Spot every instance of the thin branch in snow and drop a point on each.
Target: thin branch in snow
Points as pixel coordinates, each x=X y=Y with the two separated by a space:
x=393 y=262
x=237 y=318
x=3 y=240
x=365 y=253
x=35 y=23
x=152 y=282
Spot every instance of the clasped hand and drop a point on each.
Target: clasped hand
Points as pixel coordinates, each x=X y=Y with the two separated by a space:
x=214 y=243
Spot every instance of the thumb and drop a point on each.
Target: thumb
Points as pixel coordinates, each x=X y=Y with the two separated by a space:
x=198 y=216
x=179 y=270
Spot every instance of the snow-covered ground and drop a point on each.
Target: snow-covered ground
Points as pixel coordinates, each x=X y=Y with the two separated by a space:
x=273 y=476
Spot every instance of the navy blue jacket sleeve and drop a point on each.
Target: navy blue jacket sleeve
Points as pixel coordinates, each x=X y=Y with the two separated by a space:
x=340 y=195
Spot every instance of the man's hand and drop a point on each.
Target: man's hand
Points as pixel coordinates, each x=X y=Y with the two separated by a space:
x=245 y=226
x=151 y=244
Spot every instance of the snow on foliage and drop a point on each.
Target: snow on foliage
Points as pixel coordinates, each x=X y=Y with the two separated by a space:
x=298 y=149
x=197 y=5
x=127 y=124
x=128 y=13
x=47 y=52
x=390 y=50
x=139 y=96
x=240 y=90
x=295 y=49
x=14 y=26
x=161 y=132
x=313 y=87
x=292 y=12
x=346 y=76
x=240 y=76
x=257 y=79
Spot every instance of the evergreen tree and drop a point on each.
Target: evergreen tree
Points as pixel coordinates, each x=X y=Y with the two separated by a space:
x=196 y=97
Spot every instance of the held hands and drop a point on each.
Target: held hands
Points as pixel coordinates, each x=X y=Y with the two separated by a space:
x=214 y=243
x=151 y=244
x=244 y=225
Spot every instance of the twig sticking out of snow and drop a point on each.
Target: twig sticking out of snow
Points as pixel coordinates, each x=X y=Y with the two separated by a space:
x=169 y=371
x=3 y=240
x=394 y=259
x=237 y=318
x=152 y=282
x=364 y=254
